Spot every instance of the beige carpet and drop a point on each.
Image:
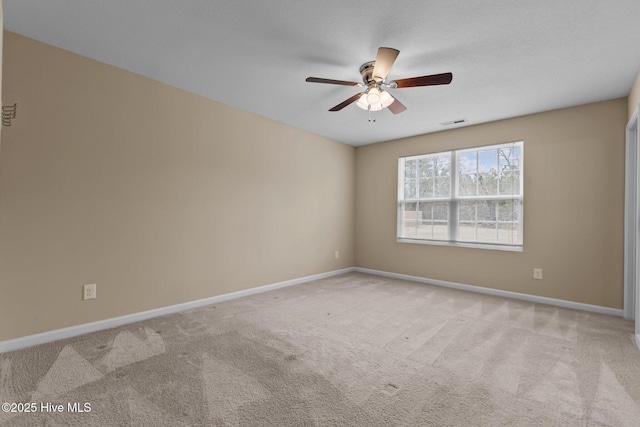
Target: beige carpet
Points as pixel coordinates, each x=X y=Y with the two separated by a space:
x=351 y=350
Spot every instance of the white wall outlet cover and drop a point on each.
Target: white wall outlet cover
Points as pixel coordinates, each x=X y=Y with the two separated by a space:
x=537 y=273
x=89 y=291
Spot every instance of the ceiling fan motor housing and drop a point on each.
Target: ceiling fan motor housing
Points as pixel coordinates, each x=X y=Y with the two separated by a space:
x=366 y=70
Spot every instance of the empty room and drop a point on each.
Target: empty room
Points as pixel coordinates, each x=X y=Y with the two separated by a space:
x=320 y=214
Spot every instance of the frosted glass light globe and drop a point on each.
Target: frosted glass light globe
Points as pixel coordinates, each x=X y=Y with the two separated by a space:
x=375 y=99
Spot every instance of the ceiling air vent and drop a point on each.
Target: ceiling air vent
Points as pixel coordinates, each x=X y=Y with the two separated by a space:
x=454 y=122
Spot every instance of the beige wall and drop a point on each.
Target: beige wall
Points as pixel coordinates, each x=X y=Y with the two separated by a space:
x=573 y=207
x=634 y=96
x=1 y=37
x=155 y=194
x=161 y=196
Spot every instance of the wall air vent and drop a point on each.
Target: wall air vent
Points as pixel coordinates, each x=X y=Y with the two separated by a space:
x=454 y=122
x=8 y=114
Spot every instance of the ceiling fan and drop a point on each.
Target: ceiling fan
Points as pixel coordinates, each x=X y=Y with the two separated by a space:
x=374 y=73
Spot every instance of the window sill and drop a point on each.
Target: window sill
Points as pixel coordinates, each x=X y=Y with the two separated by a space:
x=508 y=248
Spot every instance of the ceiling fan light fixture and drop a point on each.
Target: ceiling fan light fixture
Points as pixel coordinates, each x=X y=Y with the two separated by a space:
x=375 y=99
x=373 y=96
x=386 y=99
x=362 y=102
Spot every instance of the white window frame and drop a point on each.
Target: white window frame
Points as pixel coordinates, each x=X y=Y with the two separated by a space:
x=454 y=199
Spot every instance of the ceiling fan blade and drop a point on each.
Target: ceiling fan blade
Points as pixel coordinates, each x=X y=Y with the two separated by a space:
x=432 y=80
x=331 y=81
x=343 y=104
x=396 y=107
x=384 y=60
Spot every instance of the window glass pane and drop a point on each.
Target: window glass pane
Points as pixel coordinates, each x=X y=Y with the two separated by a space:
x=510 y=182
x=415 y=217
x=441 y=211
x=442 y=165
x=487 y=161
x=426 y=211
x=426 y=188
x=488 y=183
x=409 y=188
x=410 y=206
x=435 y=220
x=467 y=231
x=442 y=186
x=508 y=210
x=426 y=223
x=467 y=163
x=508 y=233
x=410 y=168
x=467 y=185
x=477 y=221
x=410 y=222
x=486 y=210
x=487 y=233
x=425 y=167
x=440 y=231
x=509 y=157
x=497 y=221
x=517 y=157
x=467 y=211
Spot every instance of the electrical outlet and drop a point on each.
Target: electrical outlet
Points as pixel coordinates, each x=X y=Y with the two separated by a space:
x=89 y=291
x=537 y=273
x=337 y=254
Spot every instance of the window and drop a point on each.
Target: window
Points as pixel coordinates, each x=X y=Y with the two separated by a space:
x=470 y=197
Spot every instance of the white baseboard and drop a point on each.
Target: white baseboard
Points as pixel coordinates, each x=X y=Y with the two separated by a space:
x=638 y=341
x=72 y=331
x=45 y=337
x=500 y=293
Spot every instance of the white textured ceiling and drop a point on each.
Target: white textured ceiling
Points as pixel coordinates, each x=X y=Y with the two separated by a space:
x=508 y=57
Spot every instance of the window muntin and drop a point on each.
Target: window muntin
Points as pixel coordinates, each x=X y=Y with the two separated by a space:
x=471 y=196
